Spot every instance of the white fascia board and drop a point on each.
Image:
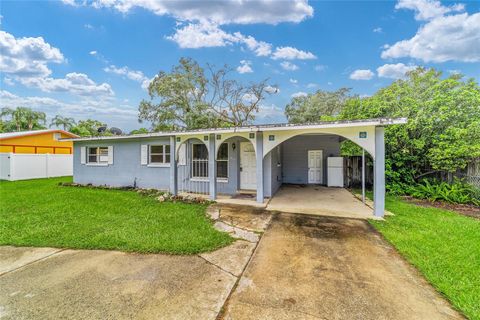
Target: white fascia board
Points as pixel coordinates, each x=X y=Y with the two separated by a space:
x=263 y=128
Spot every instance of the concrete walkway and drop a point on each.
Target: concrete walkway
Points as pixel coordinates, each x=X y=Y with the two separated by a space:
x=331 y=268
x=48 y=283
x=319 y=200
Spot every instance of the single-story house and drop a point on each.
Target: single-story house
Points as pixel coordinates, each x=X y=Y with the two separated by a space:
x=257 y=158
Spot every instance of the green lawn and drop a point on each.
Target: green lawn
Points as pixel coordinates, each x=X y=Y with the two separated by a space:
x=42 y=213
x=443 y=245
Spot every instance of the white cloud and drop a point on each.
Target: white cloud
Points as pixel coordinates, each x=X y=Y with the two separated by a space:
x=27 y=57
x=125 y=71
x=93 y=53
x=299 y=94
x=378 y=30
x=443 y=37
x=312 y=85
x=75 y=83
x=272 y=89
x=428 y=9
x=206 y=35
x=84 y=108
x=245 y=67
x=220 y=12
x=286 y=65
x=320 y=67
x=362 y=74
x=88 y=26
x=394 y=71
x=290 y=53
x=202 y=35
x=269 y=114
x=294 y=81
x=260 y=48
x=134 y=75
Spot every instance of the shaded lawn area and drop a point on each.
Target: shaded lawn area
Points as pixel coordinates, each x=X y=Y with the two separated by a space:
x=443 y=245
x=41 y=213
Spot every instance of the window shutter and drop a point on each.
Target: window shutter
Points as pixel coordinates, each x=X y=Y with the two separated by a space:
x=110 y=154
x=144 y=155
x=182 y=155
x=83 y=155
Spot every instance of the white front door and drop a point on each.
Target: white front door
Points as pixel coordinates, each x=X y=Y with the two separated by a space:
x=315 y=166
x=248 y=166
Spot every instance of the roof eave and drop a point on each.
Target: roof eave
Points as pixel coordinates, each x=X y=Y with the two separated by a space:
x=282 y=127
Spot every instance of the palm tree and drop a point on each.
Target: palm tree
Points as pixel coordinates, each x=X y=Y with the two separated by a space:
x=66 y=123
x=17 y=116
x=34 y=118
x=24 y=118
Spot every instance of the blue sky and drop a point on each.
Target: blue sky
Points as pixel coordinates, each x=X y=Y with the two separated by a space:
x=90 y=59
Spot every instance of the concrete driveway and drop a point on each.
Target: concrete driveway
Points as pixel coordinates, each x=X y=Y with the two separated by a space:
x=302 y=268
x=319 y=200
x=331 y=268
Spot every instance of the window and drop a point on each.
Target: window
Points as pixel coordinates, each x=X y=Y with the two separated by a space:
x=199 y=161
x=160 y=154
x=98 y=155
x=222 y=161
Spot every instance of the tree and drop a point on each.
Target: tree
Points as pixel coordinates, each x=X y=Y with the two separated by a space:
x=321 y=105
x=89 y=127
x=59 y=121
x=443 y=129
x=187 y=97
x=139 y=131
x=24 y=118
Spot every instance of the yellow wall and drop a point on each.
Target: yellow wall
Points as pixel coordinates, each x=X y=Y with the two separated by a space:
x=44 y=143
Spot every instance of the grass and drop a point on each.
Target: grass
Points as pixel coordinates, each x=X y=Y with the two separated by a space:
x=41 y=213
x=443 y=245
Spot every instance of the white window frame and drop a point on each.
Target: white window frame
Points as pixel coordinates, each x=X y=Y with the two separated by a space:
x=192 y=161
x=98 y=156
x=164 y=154
x=224 y=179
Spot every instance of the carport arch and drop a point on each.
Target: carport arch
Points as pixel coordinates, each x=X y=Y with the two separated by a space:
x=353 y=135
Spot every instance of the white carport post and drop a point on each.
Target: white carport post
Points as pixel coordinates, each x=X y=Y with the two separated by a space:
x=259 y=173
x=212 y=167
x=379 y=174
x=363 y=175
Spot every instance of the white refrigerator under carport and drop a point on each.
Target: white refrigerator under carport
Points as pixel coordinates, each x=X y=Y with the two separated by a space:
x=335 y=171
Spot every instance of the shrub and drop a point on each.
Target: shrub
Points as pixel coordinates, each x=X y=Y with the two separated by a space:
x=434 y=190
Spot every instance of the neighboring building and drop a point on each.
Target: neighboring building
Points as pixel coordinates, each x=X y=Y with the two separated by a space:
x=35 y=154
x=37 y=141
x=255 y=159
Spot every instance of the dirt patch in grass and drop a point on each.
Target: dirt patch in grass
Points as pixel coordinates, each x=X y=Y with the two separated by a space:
x=464 y=209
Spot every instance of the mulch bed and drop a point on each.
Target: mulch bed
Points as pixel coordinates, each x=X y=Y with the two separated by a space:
x=465 y=209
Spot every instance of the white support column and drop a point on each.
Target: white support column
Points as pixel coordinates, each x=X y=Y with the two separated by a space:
x=379 y=173
x=212 y=167
x=173 y=167
x=363 y=175
x=259 y=158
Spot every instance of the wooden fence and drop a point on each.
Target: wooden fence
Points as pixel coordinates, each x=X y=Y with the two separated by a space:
x=352 y=174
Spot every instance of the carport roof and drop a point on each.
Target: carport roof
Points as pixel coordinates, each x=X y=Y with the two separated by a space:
x=257 y=128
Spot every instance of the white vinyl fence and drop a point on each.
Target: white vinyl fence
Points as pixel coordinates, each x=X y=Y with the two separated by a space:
x=21 y=166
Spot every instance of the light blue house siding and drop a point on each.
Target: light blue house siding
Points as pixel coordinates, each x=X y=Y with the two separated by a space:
x=295 y=156
x=126 y=169
x=286 y=163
